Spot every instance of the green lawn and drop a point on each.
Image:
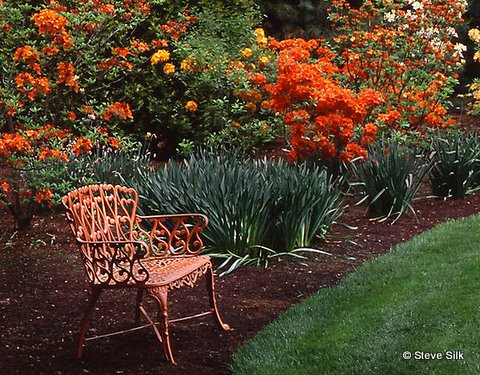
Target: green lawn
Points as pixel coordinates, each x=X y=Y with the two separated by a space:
x=424 y=296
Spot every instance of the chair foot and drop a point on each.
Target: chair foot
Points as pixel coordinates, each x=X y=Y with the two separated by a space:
x=213 y=301
x=160 y=294
x=95 y=293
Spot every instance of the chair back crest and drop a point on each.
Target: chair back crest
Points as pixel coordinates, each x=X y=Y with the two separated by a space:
x=102 y=212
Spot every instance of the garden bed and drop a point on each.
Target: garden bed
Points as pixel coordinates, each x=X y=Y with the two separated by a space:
x=42 y=295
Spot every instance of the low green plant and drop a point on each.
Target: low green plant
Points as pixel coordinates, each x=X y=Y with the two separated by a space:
x=456 y=170
x=258 y=210
x=305 y=205
x=391 y=176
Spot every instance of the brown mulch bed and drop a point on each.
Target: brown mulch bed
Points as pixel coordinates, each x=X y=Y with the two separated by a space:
x=43 y=293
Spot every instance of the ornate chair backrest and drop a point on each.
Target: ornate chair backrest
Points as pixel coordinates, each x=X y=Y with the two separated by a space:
x=102 y=212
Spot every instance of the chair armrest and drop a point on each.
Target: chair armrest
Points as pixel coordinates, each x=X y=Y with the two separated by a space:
x=174 y=234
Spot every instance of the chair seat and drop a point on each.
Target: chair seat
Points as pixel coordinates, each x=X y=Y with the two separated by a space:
x=175 y=271
x=171 y=271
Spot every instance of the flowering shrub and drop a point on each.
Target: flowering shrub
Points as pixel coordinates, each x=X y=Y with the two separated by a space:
x=321 y=114
x=391 y=68
x=24 y=159
x=56 y=98
x=211 y=95
x=474 y=35
x=406 y=50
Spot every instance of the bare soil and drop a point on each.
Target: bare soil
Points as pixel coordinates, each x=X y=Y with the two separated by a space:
x=43 y=293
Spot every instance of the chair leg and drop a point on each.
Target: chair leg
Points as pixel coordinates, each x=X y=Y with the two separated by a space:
x=160 y=294
x=213 y=301
x=95 y=293
x=137 y=304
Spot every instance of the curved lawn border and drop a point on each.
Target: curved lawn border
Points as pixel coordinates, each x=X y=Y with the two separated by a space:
x=422 y=298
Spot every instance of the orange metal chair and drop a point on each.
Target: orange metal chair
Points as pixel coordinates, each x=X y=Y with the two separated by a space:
x=121 y=249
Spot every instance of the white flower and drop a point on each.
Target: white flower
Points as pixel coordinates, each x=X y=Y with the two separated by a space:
x=390 y=16
x=459 y=49
x=452 y=32
x=416 y=5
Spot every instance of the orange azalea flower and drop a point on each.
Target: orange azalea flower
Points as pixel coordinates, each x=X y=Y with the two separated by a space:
x=119 y=110
x=390 y=118
x=191 y=106
x=122 y=52
x=108 y=9
x=49 y=22
x=5 y=186
x=139 y=46
x=24 y=79
x=87 y=109
x=14 y=143
x=169 y=68
x=82 y=145
x=265 y=104
x=42 y=85
x=107 y=64
x=72 y=116
x=64 y=40
x=11 y=111
x=50 y=50
x=159 y=43
x=48 y=153
x=44 y=195
x=27 y=54
x=161 y=55
x=114 y=142
x=352 y=150
x=257 y=78
x=186 y=64
x=66 y=75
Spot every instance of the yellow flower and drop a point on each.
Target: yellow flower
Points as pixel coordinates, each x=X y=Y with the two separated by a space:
x=236 y=124
x=474 y=34
x=476 y=57
x=259 y=32
x=262 y=41
x=186 y=64
x=264 y=60
x=238 y=65
x=169 y=68
x=160 y=56
x=191 y=106
x=247 y=52
x=261 y=38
